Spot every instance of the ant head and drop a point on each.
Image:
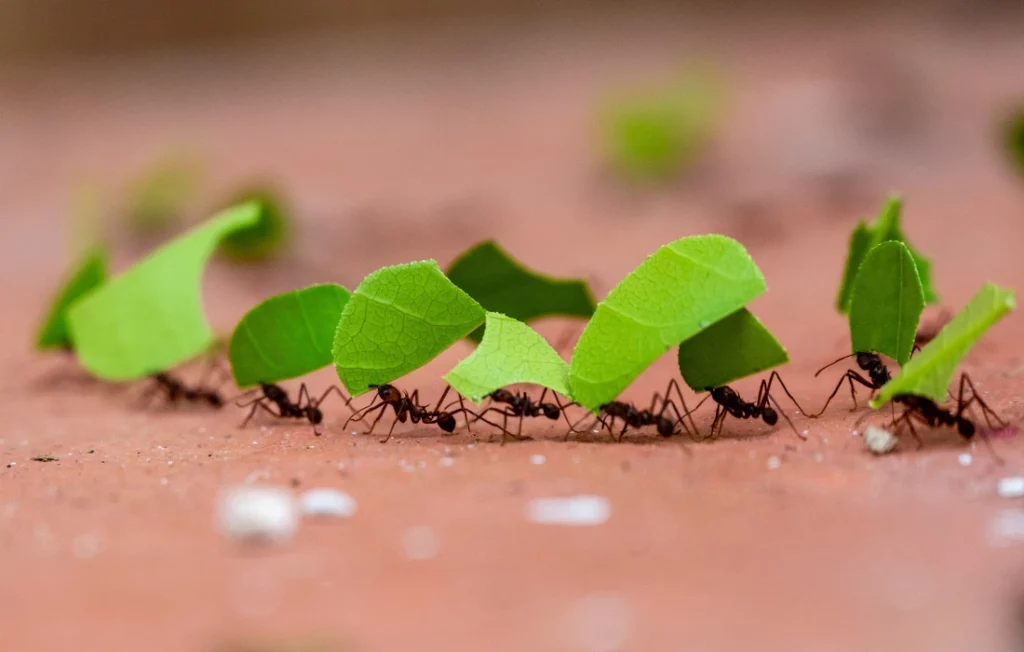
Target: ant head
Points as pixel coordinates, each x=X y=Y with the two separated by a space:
x=446 y=422
x=550 y=410
x=214 y=399
x=387 y=393
x=769 y=415
x=502 y=396
x=965 y=427
x=867 y=360
x=666 y=427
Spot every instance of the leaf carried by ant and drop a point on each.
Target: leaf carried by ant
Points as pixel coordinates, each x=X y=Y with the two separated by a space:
x=511 y=352
x=1015 y=139
x=398 y=319
x=681 y=289
x=866 y=237
x=886 y=303
x=501 y=284
x=930 y=372
x=89 y=273
x=733 y=348
x=150 y=318
x=287 y=336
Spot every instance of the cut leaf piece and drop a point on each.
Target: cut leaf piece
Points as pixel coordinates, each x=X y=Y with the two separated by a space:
x=287 y=336
x=266 y=238
x=501 y=284
x=887 y=302
x=681 y=289
x=89 y=273
x=511 y=352
x=399 y=319
x=866 y=236
x=930 y=371
x=733 y=348
x=150 y=318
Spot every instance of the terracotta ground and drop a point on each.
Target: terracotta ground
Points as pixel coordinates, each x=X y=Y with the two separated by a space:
x=401 y=152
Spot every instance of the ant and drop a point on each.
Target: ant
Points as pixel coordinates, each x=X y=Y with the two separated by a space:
x=878 y=375
x=929 y=413
x=635 y=418
x=729 y=402
x=276 y=395
x=407 y=407
x=520 y=405
x=175 y=389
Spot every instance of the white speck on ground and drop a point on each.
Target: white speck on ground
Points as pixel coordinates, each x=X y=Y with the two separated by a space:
x=575 y=510
x=879 y=440
x=538 y=459
x=1012 y=487
x=420 y=542
x=163 y=482
x=1007 y=527
x=964 y=459
x=326 y=501
x=600 y=622
x=806 y=432
x=447 y=460
x=257 y=514
x=819 y=458
x=85 y=546
x=774 y=462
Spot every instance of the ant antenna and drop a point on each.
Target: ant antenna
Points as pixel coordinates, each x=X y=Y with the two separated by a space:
x=832 y=363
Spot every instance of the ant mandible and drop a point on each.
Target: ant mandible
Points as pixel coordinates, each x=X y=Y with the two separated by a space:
x=877 y=372
x=406 y=407
x=930 y=414
x=520 y=405
x=729 y=402
x=276 y=395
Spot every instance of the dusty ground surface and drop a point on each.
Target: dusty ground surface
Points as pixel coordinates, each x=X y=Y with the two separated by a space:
x=757 y=540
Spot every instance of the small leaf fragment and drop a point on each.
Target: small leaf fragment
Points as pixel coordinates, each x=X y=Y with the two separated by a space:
x=266 y=238
x=397 y=320
x=287 y=336
x=681 y=289
x=886 y=303
x=1015 y=139
x=511 y=352
x=930 y=371
x=501 y=284
x=732 y=348
x=89 y=273
x=867 y=236
x=150 y=318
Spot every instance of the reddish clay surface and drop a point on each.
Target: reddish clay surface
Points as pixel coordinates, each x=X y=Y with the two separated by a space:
x=398 y=156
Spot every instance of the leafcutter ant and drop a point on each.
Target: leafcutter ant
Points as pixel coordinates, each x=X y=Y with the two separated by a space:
x=730 y=403
x=271 y=394
x=635 y=418
x=520 y=405
x=878 y=375
x=407 y=408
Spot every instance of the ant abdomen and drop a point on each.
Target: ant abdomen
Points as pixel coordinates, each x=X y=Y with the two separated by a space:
x=446 y=422
x=551 y=411
x=770 y=416
x=666 y=427
x=965 y=427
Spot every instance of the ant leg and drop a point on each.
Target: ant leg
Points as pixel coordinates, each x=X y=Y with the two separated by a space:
x=562 y=409
x=720 y=414
x=337 y=390
x=966 y=382
x=383 y=407
x=393 y=424
x=775 y=376
x=850 y=376
x=696 y=433
x=255 y=406
x=672 y=384
x=304 y=391
x=625 y=427
x=786 y=417
x=361 y=413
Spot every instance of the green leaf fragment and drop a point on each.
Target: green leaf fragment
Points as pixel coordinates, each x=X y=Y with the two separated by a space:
x=161 y=196
x=511 y=352
x=733 y=348
x=399 y=319
x=501 y=284
x=681 y=289
x=867 y=236
x=930 y=372
x=1015 y=139
x=89 y=273
x=150 y=318
x=287 y=336
x=886 y=303
x=264 y=239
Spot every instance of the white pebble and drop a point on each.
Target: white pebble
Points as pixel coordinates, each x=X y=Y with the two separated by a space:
x=879 y=440
x=420 y=542
x=538 y=459
x=774 y=462
x=576 y=510
x=805 y=432
x=327 y=502
x=964 y=459
x=163 y=481
x=1012 y=487
x=257 y=514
